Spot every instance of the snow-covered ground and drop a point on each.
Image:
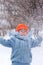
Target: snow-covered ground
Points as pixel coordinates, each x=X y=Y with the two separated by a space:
x=37 y=54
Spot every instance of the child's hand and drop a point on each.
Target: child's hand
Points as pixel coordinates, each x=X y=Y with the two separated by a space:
x=36 y=32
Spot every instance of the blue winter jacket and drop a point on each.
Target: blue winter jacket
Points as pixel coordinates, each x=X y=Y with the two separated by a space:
x=21 y=47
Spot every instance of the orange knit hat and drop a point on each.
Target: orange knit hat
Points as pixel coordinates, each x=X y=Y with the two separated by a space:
x=21 y=26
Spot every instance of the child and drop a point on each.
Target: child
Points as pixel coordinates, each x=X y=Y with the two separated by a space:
x=21 y=44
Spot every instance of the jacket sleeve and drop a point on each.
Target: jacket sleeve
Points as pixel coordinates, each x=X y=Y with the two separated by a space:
x=7 y=43
x=36 y=42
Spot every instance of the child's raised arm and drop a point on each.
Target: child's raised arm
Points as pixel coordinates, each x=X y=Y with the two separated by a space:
x=7 y=42
x=36 y=42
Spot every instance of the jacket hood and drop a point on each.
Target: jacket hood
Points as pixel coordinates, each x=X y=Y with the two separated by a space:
x=21 y=37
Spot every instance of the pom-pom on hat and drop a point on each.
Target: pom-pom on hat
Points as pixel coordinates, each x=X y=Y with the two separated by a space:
x=21 y=26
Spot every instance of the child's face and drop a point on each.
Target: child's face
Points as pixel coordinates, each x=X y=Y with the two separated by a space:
x=23 y=32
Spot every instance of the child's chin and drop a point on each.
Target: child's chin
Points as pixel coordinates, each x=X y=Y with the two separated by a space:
x=24 y=35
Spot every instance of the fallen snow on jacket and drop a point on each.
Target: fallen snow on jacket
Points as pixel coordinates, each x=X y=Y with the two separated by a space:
x=21 y=46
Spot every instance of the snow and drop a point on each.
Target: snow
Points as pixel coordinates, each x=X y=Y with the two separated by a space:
x=37 y=54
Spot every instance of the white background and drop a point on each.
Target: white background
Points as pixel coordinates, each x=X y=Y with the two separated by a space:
x=37 y=55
